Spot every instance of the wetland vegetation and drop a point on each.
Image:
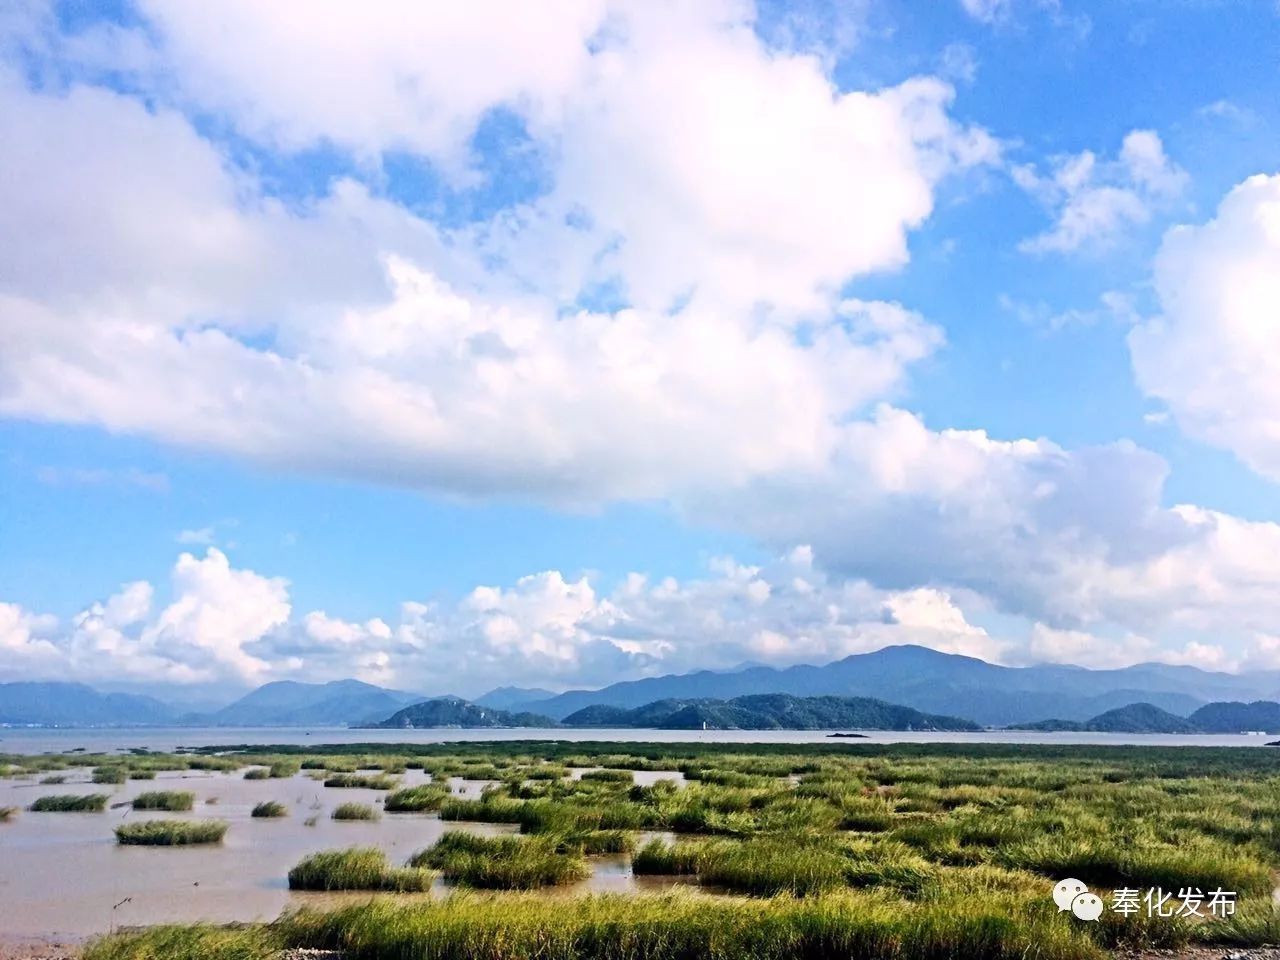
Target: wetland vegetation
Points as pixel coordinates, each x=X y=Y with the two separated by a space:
x=71 y=803
x=170 y=833
x=172 y=800
x=781 y=850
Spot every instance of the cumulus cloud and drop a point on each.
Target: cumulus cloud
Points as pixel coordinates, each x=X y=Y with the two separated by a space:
x=1093 y=201
x=231 y=625
x=986 y=11
x=1073 y=539
x=1212 y=354
x=287 y=334
x=656 y=313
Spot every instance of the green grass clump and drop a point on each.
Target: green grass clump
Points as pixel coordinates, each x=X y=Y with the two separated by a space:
x=257 y=773
x=198 y=941
x=670 y=859
x=360 y=868
x=54 y=779
x=283 y=769
x=364 y=781
x=7 y=814
x=142 y=774
x=270 y=809
x=109 y=775
x=170 y=833
x=597 y=842
x=71 y=803
x=171 y=800
x=678 y=927
x=430 y=796
x=354 y=811
x=609 y=776
x=501 y=863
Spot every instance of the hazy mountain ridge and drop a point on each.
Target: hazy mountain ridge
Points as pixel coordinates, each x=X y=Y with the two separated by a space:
x=769 y=712
x=288 y=703
x=1230 y=717
x=75 y=704
x=456 y=712
x=505 y=698
x=941 y=683
x=914 y=677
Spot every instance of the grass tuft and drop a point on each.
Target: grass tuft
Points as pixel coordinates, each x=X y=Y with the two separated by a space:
x=428 y=797
x=360 y=868
x=354 y=811
x=270 y=809
x=170 y=833
x=71 y=803
x=172 y=800
x=501 y=863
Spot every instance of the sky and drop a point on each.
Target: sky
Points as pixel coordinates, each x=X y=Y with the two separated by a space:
x=449 y=346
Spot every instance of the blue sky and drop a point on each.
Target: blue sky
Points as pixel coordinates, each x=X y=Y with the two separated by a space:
x=635 y=338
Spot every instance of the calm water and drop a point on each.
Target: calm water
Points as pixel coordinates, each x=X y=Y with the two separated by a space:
x=14 y=740
x=62 y=875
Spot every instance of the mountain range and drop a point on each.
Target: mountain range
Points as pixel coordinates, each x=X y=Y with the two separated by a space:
x=1261 y=716
x=770 y=711
x=456 y=712
x=910 y=676
x=943 y=683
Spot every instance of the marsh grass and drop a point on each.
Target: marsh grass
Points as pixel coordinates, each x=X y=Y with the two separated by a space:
x=354 y=811
x=7 y=814
x=672 y=859
x=172 y=800
x=361 y=781
x=109 y=775
x=257 y=773
x=501 y=863
x=678 y=927
x=360 y=868
x=141 y=774
x=53 y=779
x=170 y=833
x=912 y=850
x=427 y=797
x=71 y=803
x=269 y=809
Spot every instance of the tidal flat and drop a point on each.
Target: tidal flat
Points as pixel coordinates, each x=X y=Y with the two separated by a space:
x=655 y=850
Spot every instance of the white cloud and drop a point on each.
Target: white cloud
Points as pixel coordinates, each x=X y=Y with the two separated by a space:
x=1073 y=539
x=1213 y=353
x=398 y=76
x=1095 y=202
x=1113 y=305
x=987 y=11
x=230 y=625
x=344 y=335
x=723 y=190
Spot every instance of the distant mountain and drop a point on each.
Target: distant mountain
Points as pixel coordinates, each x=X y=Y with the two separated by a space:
x=1134 y=718
x=1236 y=717
x=287 y=703
x=455 y=712
x=777 y=711
x=76 y=705
x=509 y=698
x=942 y=683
